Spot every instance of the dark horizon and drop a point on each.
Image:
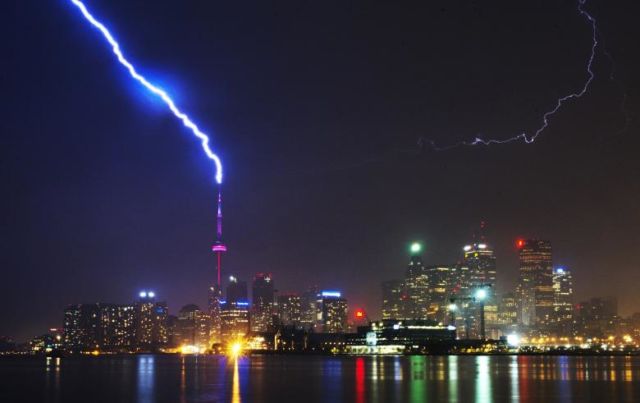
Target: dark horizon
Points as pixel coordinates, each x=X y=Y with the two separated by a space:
x=316 y=110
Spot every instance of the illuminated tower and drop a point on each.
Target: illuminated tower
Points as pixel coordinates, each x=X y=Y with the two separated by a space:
x=218 y=247
x=215 y=291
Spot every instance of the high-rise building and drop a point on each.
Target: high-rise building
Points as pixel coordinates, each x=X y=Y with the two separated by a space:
x=332 y=312
x=234 y=320
x=441 y=285
x=109 y=327
x=289 y=310
x=151 y=322
x=236 y=290
x=308 y=308
x=234 y=311
x=480 y=259
x=192 y=327
x=117 y=327
x=214 y=299
x=563 y=301
x=416 y=287
x=262 y=307
x=82 y=327
x=392 y=299
x=535 y=288
x=597 y=317
x=508 y=310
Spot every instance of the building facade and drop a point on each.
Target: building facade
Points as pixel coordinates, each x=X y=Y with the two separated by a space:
x=535 y=287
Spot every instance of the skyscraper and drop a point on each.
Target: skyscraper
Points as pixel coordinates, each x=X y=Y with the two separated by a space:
x=416 y=287
x=563 y=300
x=151 y=322
x=392 y=299
x=308 y=308
x=480 y=259
x=234 y=311
x=262 y=307
x=289 y=310
x=117 y=327
x=192 y=327
x=82 y=327
x=332 y=312
x=535 y=288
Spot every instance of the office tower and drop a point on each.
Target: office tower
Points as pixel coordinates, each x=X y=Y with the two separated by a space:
x=563 y=301
x=441 y=285
x=214 y=299
x=332 y=312
x=262 y=307
x=234 y=312
x=308 y=308
x=416 y=287
x=480 y=259
x=151 y=322
x=392 y=299
x=535 y=288
x=236 y=290
x=192 y=327
x=289 y=310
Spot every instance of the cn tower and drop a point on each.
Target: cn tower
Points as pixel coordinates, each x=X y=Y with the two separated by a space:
x=218 y=247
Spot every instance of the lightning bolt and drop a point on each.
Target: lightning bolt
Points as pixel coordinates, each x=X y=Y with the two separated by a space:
x=547 y=115
x=159 y=92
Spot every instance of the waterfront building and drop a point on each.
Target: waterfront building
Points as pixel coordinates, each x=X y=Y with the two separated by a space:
x=332 y=312
x=82 y=327
x=597 y=317
x=234 y=316
x=117 y=327
x=151 y=322
x=192 y=327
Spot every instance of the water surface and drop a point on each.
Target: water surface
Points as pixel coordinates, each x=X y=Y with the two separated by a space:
x=307 y=379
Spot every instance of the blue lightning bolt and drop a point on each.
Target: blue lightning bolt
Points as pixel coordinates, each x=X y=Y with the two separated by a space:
x=115 y=47
x=545 y=118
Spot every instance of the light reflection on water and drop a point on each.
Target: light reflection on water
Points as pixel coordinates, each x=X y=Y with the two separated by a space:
x=319 y=378
x=146 y=369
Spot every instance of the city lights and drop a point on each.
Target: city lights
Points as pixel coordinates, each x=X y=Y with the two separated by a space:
x=235 y=349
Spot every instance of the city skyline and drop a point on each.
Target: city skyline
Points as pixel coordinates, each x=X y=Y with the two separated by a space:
x=108 y=195
x=264 y=293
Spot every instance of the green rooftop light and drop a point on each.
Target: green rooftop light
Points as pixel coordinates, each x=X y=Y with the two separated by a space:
x=416 y=247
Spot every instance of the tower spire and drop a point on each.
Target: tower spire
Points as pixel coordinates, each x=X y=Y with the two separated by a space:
x=218 y=246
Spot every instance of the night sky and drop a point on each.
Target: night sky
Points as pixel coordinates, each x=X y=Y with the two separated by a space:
x=316 y=108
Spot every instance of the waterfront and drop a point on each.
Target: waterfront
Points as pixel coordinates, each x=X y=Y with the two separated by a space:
x=295 y=378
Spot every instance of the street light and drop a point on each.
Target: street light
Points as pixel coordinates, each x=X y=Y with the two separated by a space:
x=481 y=294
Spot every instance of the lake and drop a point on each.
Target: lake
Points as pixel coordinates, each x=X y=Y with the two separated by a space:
x=308 y=378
